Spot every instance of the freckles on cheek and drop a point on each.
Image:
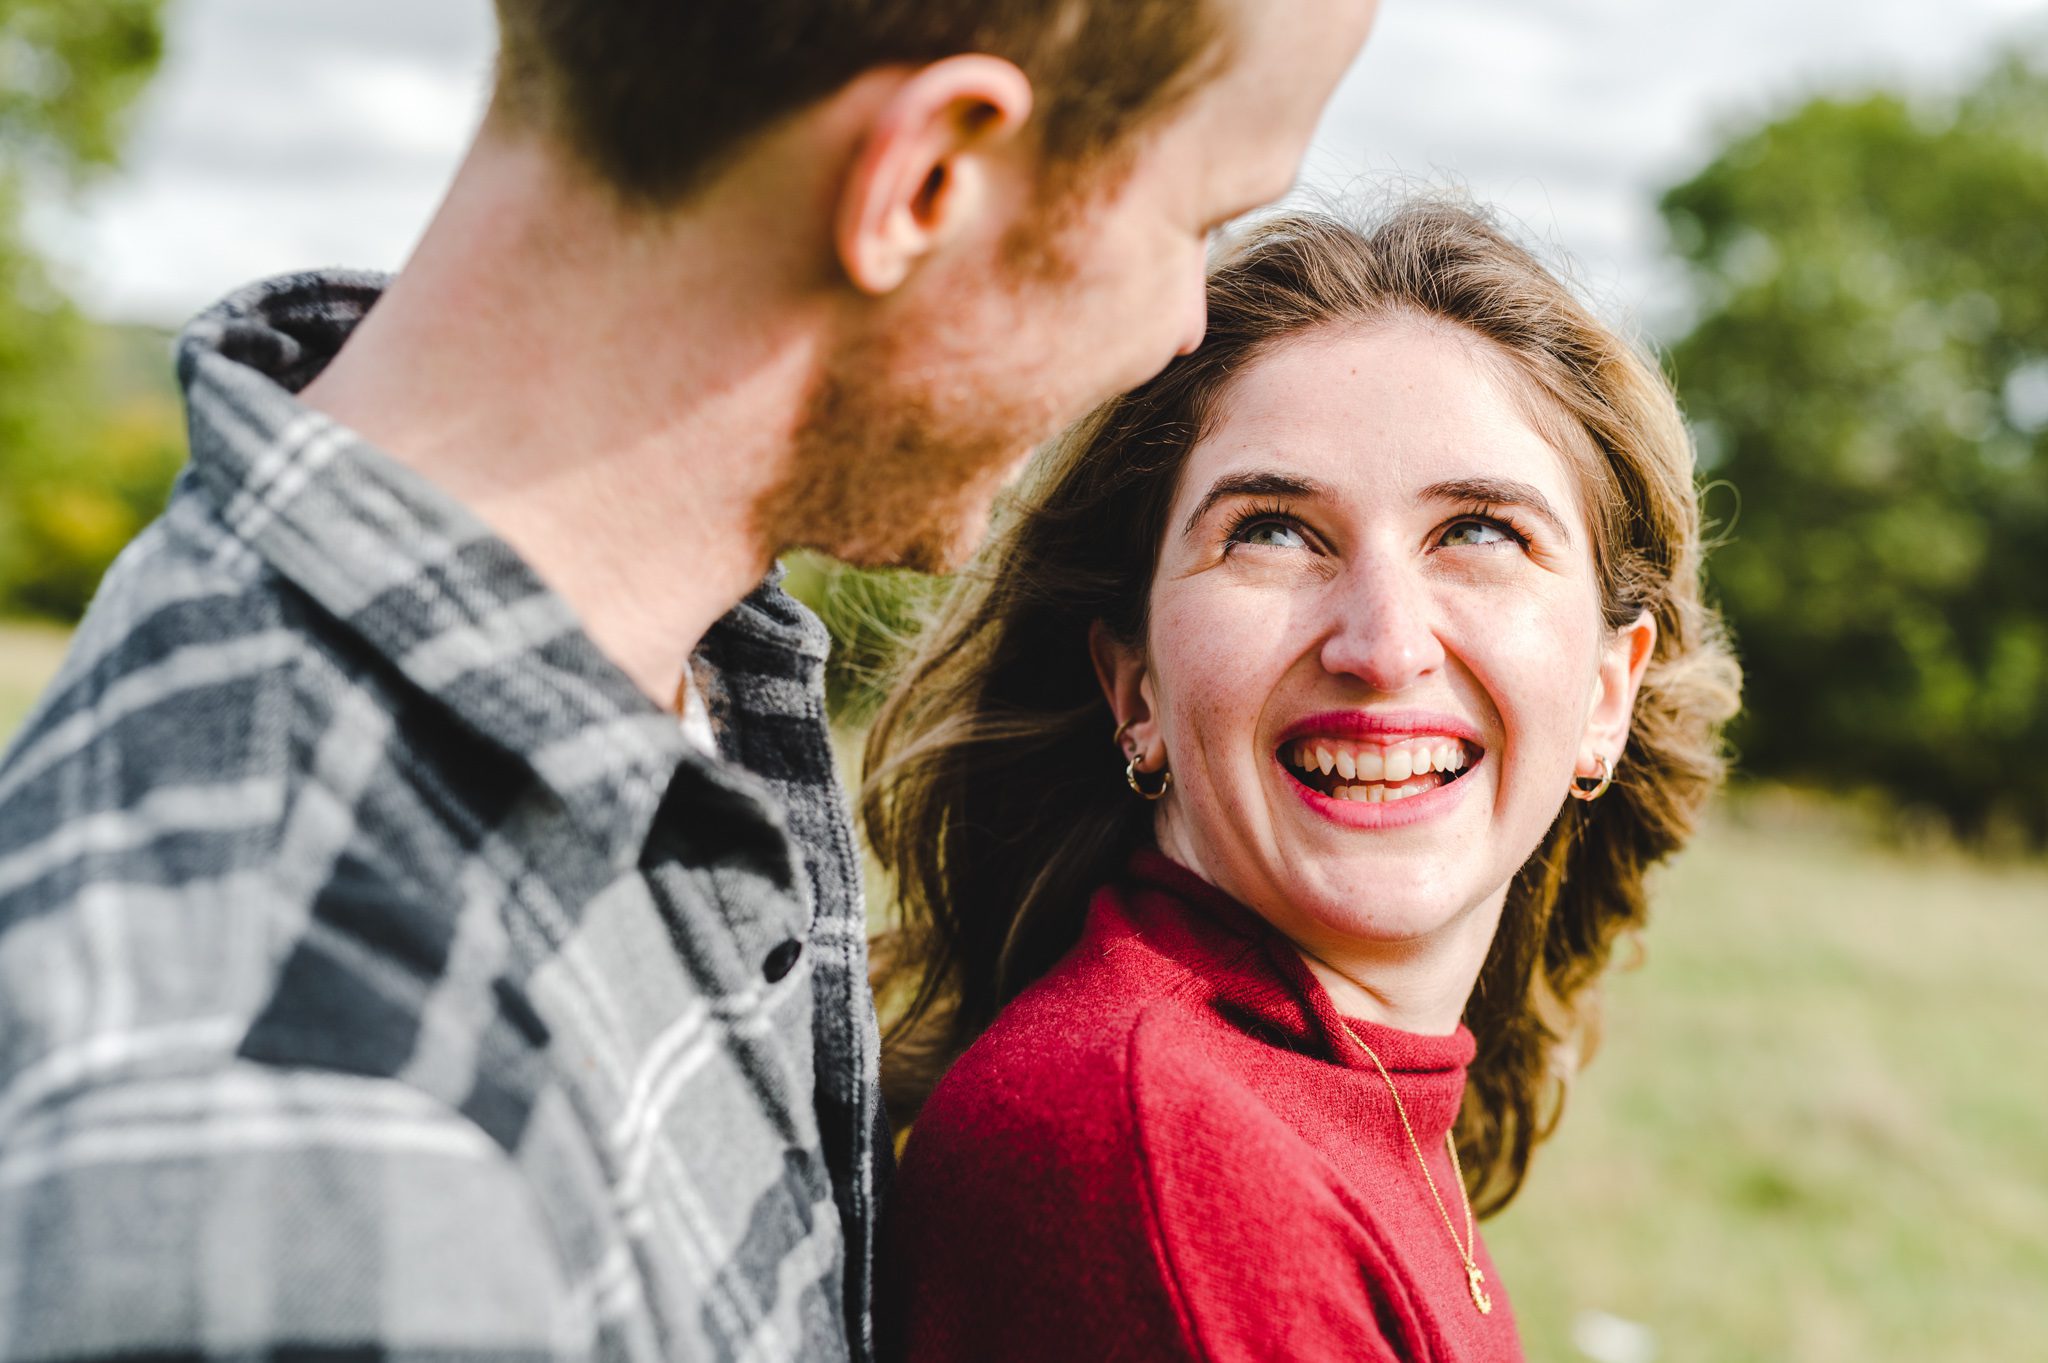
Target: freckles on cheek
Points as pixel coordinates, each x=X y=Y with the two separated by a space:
x=1212 y=629
x=1215 y=661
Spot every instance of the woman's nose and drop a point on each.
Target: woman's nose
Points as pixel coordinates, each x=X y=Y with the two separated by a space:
x=1385 y=634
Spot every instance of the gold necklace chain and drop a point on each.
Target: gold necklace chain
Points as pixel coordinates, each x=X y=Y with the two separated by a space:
x=1475 y=1277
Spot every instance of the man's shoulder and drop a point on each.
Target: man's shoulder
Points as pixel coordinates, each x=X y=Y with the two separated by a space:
x=153 y=718
x=146 y=803
x=186 y=607
x=167 y=712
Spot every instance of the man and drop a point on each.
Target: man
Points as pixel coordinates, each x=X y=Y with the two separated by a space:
x=383 y=967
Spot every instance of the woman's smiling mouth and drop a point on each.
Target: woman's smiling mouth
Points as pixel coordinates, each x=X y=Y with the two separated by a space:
x=1375 y=773
x=1355 y=767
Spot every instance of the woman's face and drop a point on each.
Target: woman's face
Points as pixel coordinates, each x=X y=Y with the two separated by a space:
x=1376 y=654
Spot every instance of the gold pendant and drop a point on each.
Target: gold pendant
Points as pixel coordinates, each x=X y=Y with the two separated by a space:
x=1477 y=1280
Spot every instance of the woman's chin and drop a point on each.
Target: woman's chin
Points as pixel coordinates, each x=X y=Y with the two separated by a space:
x=1401 y=887
x=1384 y=915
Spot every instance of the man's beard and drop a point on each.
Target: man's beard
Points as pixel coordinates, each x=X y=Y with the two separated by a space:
x=913 y=428
x=896 y=469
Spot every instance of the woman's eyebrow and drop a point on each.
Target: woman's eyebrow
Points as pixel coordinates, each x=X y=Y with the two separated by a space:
x=1501 y=492
x=1257 y=483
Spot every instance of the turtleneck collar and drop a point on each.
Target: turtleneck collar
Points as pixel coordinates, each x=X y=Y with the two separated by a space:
x=1257 y=978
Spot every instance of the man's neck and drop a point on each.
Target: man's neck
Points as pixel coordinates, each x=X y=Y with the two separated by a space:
x=607 y=394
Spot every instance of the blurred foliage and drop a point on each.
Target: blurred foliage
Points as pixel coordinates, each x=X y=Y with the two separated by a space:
x=70 y=502
x=69 y=69
x=871 y=613
x=1869 y=369
x=83 y=460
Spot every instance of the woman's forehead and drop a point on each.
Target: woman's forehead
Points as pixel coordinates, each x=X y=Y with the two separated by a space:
x=1377 y=413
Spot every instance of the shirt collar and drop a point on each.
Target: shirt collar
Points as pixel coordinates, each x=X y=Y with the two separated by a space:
x=422 y=581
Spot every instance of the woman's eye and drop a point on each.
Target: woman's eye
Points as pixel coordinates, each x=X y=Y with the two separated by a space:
x=1476 y=532
x=1275 y=534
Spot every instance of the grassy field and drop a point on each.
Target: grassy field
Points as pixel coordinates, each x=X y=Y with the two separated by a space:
x=1817 y=1131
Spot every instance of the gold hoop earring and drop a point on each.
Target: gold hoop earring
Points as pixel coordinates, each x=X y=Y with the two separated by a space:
x=1131 y=767
x=1131 y=778
x=1598 y=787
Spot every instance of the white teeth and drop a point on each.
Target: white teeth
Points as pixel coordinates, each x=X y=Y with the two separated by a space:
x=1378 y=794
x=1370 y=765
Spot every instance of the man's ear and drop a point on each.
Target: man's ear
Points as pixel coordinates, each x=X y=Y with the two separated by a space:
x=924 y=167
x=1127 y=686
x=1623 y=660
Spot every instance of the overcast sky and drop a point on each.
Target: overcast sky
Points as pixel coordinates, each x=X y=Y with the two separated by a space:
x=287 y=133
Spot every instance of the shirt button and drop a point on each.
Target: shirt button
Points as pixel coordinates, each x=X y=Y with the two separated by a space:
x=782 y=960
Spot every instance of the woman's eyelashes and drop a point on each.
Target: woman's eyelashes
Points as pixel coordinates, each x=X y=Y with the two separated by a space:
x=1275 y=527
x=1267 y=527
x=1481 y=530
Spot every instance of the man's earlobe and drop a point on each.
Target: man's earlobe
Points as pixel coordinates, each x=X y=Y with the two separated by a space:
x=924 y=168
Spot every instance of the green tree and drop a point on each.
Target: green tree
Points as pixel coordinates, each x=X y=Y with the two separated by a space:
x=1869 y=369
x=76 y=479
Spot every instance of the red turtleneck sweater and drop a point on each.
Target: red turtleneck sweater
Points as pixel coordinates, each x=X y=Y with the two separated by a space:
x=1168 y=1148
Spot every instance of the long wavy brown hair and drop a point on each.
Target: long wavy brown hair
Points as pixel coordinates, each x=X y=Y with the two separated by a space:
x=996 y=799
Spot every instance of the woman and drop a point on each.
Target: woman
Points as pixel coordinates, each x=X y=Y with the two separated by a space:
x=1283 y=776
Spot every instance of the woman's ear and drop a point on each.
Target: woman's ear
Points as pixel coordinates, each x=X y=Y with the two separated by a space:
x=1127 y=686
x=1623 y=660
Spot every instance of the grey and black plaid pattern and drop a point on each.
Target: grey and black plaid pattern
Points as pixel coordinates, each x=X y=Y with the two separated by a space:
x=382 y=974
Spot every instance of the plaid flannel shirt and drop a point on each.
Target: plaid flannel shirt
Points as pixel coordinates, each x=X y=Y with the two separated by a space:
x=382 y=974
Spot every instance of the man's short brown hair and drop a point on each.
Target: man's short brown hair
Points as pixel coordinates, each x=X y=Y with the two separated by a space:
x=655 y=94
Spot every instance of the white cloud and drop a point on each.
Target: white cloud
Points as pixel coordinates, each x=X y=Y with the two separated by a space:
x=1571 y=115
x=276 y=136
x=286 y=134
